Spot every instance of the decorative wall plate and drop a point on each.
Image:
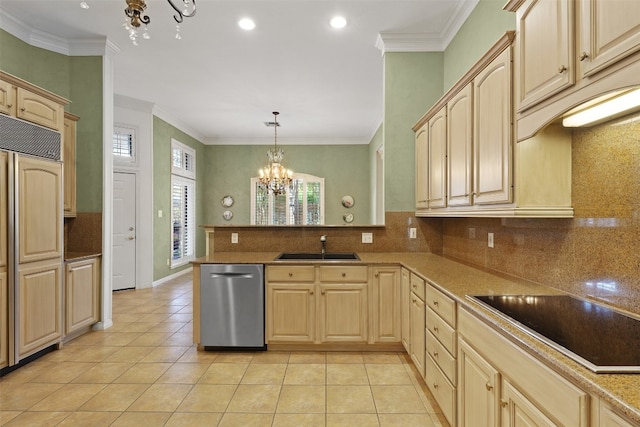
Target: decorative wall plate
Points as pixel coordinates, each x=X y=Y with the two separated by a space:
x=227 y=201
x=348 y=218
x=347 y=201
x=227 y=215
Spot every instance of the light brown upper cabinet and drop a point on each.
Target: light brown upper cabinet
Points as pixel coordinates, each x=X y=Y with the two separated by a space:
x=422 y=168
x=460 y=148
x=571 y=51
x=69 y=158
x=437 y=159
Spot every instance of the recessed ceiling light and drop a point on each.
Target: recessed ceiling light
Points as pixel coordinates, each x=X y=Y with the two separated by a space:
x=338 y=22
x=247 y=24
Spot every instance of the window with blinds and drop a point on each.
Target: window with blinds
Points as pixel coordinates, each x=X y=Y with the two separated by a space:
x=302 y=205
x=183 y=187
x=124 y=144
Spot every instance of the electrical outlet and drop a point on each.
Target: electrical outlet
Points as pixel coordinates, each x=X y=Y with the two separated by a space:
x=367 y=237
x=234 y=237
x=472 y=233
x=412 y=233
x=490 y=240
x=160 y=213
x=168 y=262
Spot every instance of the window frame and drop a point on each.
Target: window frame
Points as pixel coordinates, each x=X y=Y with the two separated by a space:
x=184 y=176
x=133 y=132
x=306 y=178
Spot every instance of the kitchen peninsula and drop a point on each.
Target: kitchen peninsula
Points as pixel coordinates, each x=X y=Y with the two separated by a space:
x=596 y=395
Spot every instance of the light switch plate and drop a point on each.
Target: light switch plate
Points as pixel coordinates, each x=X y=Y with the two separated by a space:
x=412 y=233
x=367 y=237
x=234 y=237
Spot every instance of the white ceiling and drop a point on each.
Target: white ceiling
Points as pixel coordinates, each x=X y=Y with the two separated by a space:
x=221 y=83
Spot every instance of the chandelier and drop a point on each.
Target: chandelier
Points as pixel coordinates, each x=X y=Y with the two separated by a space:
x=275 y=178
x=134 y=16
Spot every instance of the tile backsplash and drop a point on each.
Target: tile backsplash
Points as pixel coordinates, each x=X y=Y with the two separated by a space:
x=597 y=253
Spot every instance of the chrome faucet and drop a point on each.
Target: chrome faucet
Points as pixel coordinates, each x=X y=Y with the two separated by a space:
x=323 y=241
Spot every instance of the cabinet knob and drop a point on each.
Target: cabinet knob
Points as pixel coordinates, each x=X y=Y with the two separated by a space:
x=22 y=109
x=310 y=292
x=562 y=69
x=435 y=385
x=435 y=303
x=435 y=354
x=413 y=299
x=435 y=329
x=130 y=238
x=9 y=106
x=488 y=386
x=290 y=274
x=322 y=292
x=583 y=56
x=377 y=275
x=504 y=403
x=345 y=275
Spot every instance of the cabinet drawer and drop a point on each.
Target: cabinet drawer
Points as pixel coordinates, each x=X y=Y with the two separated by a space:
x=343 y=274
x=417 y=285
x=443 y=332
x=445 y=361
x=290 y=273
x=442 y=390
x=441 y=304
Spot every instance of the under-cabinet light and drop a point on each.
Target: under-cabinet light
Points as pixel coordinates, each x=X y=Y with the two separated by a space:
x=608 y=109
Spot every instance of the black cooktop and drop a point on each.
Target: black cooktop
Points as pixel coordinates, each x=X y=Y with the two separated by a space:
x=596 y=336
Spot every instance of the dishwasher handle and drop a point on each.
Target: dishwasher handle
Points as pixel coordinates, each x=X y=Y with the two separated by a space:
x=231 y=275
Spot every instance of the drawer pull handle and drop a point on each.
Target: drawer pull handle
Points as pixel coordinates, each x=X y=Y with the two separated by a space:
x=435 y=354
x=435 y=329
x=435 y=386
x=488 y=386
x=414 y=300
x=562 y=69
x=435 y=303
x=345 y=275
x=414 y=286
x=290 y=274
x=583 y=56
x=310 y=292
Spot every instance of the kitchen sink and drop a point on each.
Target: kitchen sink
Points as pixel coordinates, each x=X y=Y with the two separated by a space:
x=311 y=256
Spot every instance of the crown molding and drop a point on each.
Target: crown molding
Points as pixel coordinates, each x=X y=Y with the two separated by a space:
x=122 y=101
x=427 y=42
x=285 y=141
x=177 y=123
x=75 y=47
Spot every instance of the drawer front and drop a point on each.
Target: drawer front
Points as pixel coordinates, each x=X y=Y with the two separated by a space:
x=442 y=390
x=417 y=285
x=441 y=330
x=445 y=361
x=290 y=273
x=441 y=304
x=344 y=274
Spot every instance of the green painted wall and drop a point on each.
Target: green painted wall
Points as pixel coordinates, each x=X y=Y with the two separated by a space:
x=345 y=169
x=163 y=132
x=486 y=24
x=86 y=96
x=412 y=83
x=78 y=79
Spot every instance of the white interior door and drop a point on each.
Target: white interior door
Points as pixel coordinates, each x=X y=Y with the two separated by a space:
x=124 y=231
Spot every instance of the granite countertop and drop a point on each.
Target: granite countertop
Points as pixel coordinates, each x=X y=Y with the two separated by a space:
x=621 y=391
x=77 y=256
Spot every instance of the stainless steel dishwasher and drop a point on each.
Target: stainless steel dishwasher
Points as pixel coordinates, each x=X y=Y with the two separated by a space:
x=232 y=306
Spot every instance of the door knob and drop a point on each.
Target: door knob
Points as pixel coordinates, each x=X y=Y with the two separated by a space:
x=130 y=228
x=130 y=238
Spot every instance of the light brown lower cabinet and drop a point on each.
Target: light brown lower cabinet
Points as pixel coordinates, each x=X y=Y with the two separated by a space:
x=4 y=319
x=82 y=294
x=40 y=305
x=386 y=304
x=405 y=284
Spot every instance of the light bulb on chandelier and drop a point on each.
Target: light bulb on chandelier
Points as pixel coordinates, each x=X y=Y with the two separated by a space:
x=275 y=178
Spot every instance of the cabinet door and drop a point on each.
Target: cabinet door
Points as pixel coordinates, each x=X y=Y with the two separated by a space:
x=40 y=303
x=343 y=312
x=290 y=312
x=609 y=31
x=406 y=309
x=386 y=313
x=459 y=150
x=609 y=418
x=7 y=103
x=40 y=110
x=417 y=333
x=422 y=168
x=4 y=318
x=39 y=209
x=69 y=157
x=519 y=411
x=493 y=132
x=81 y=291
x=437 y=159
x=3 y=209
x=545 y=43
x=478 y=402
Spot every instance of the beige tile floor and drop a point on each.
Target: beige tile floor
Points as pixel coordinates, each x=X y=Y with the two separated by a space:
x=145 y=371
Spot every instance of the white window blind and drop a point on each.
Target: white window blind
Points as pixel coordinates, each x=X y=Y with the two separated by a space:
x=124 y=143
x=302 y=205
x=183 y=192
